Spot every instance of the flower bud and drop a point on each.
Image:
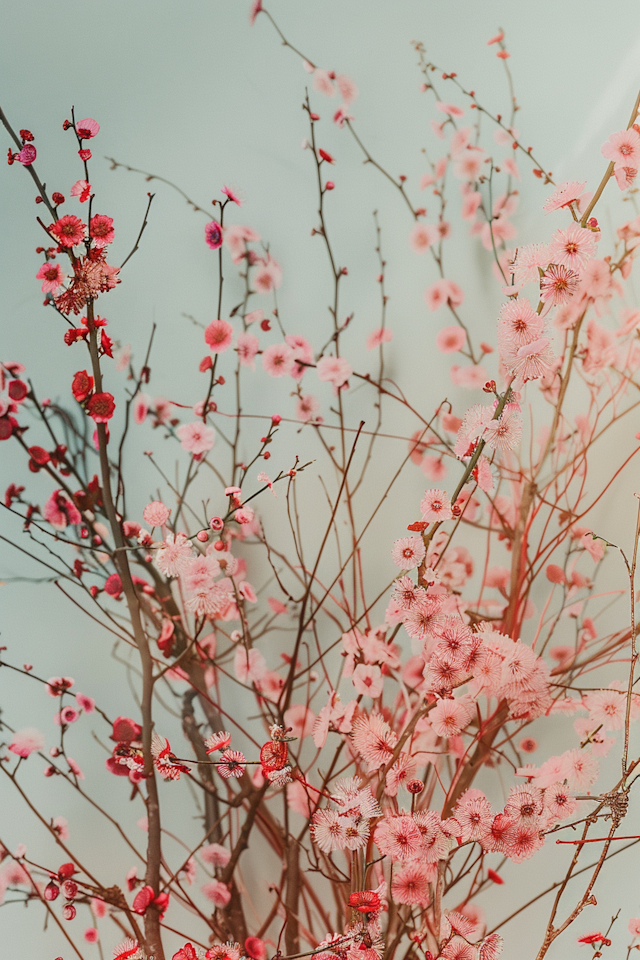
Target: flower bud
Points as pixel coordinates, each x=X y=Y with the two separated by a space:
x=68 y=911
x=216 y=523
x=69 y=889
x=414 y=786
x=202 y=536
x=51 y=891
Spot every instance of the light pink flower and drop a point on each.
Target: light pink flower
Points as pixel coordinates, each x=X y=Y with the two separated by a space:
x=217 y=892
x=469 y=165
x=156 y=513
x=573 y=247
x=307 y=407
x=335 y=370
x=277 y=360
x=247 y=346
x=322 y=83
x=423 y=236
x=215 y=854
x=623 y=148
x=411 y=884
x=449 y=108
x=442 y=292
x=529 y=261
x=218 y=336
x=398 y=837
x=519 y=322
x=249 y=665
x=567 y=193
x=408 y=552
x=173 y=555
x=232 y=194
x=374 y=740
x=435 y=506
x=451 y=339
x=378 y=337
x=449 y=717
x=625 y=176
x=504 y=433
x=268 y=277
x=347 y=88
x=368 y=680
x=197 y=437
x=26 y=741
x=301 y=720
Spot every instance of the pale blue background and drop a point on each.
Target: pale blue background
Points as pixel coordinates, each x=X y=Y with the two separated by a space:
x=191 y=92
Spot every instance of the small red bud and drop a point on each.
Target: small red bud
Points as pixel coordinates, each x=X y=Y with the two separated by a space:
x=69 y=889
x=266 y=455
x=216 y=523
x=68 y=911
x=51 y=891
x=219 y=545
x=202 y=536
x=329 y=185
x=276 y=418
x=265 y=325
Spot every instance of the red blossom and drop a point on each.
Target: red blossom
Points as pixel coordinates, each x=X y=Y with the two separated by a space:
x=101 y=407
x=81 y=385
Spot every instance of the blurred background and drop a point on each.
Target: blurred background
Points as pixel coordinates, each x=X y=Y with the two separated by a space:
x=194 y=94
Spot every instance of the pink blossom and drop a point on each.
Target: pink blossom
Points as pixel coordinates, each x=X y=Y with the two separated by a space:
x=247 y=346
x=634 y=927
x=435 y=506
x=173 y=555
x=423 y=236
x=217 y=892
x=82 y=190
x=335 y=370
x=215 y=854
x=411 y=884
x=408 y=552
x=52 y=276
x=87 y=128
x=87 y=704
x=268 y=277
x=277 y=360
x=450 y=717
x=368 y=680
x=236 y=238
x=213 y=235
x=625 y=176
x=443 y=292
x=156 y=513
x=378 y=337
x=218 y=336
x=347 y=88
x=449 y=108
x=519 y=322
x=469 y=165
x=232 y=194
x=307 y=408
x=451 y=339
x=59 y=511
x=564 y=195
x=504 y=433
x=301 y=720
x=529 y=261
x=196 y=437
x=322 y=83
x=26 y=741
x=623 y=148
x=249 y=665
x=573 y=247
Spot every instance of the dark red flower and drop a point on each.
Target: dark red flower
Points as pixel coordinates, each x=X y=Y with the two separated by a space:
x=18 y=390
x=101 y=407
x=81 y=385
